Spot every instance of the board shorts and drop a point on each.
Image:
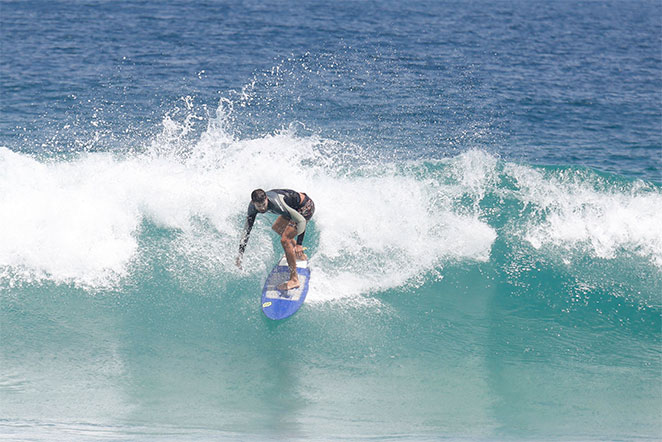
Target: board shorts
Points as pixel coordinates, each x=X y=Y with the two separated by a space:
x=306 y=210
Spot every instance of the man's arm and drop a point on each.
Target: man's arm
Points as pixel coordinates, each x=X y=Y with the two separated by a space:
x=250 y=220
x=300 y=238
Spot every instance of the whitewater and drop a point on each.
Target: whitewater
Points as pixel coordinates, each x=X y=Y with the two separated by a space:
x=80 y=220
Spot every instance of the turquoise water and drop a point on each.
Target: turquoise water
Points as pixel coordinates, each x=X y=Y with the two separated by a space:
x=486 y=251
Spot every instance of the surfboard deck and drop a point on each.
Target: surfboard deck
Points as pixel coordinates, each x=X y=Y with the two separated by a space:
x=280 y=304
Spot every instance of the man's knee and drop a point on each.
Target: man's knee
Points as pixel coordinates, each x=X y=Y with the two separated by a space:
x=280 y=225
x=288 y=234
x=285 y=241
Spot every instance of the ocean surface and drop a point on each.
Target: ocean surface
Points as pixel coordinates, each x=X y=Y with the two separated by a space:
x=486 y=252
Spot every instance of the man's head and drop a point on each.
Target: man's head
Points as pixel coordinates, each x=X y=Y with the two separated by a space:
x=259 y=199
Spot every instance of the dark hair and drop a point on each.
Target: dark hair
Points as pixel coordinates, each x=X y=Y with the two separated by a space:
x=258 y=195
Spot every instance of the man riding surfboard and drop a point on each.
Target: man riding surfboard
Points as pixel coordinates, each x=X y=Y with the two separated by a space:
x=294 y=209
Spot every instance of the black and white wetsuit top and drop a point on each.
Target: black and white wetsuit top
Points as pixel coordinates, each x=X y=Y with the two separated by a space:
x=283 y=202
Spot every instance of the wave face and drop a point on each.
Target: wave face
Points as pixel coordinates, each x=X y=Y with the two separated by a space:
x=481 y=290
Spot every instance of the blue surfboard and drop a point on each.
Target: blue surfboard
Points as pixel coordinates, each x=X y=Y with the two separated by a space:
x=279 y=304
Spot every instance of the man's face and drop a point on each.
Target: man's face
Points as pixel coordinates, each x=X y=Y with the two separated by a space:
x=262 y=205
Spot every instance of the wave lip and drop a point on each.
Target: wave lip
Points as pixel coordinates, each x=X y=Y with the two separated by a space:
x=64 y=220
x=387 y=231
x=577 y=210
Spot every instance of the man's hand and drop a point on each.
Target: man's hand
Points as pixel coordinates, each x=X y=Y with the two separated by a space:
x=298 y=251
x=238 y=263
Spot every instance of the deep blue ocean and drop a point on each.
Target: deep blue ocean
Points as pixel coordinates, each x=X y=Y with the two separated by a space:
x=486 y=253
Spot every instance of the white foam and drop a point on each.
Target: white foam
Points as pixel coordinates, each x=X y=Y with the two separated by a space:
x=384 y=231
x=78 y=220
x=572 y=211
x=59 y=219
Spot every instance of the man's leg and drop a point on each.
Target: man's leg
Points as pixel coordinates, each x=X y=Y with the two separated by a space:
x=287 y=241
x=279 y=227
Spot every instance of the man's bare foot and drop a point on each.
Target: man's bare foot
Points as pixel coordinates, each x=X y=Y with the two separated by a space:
x=289 y=285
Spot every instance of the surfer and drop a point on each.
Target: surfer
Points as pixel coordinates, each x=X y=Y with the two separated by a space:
x=294 y=210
